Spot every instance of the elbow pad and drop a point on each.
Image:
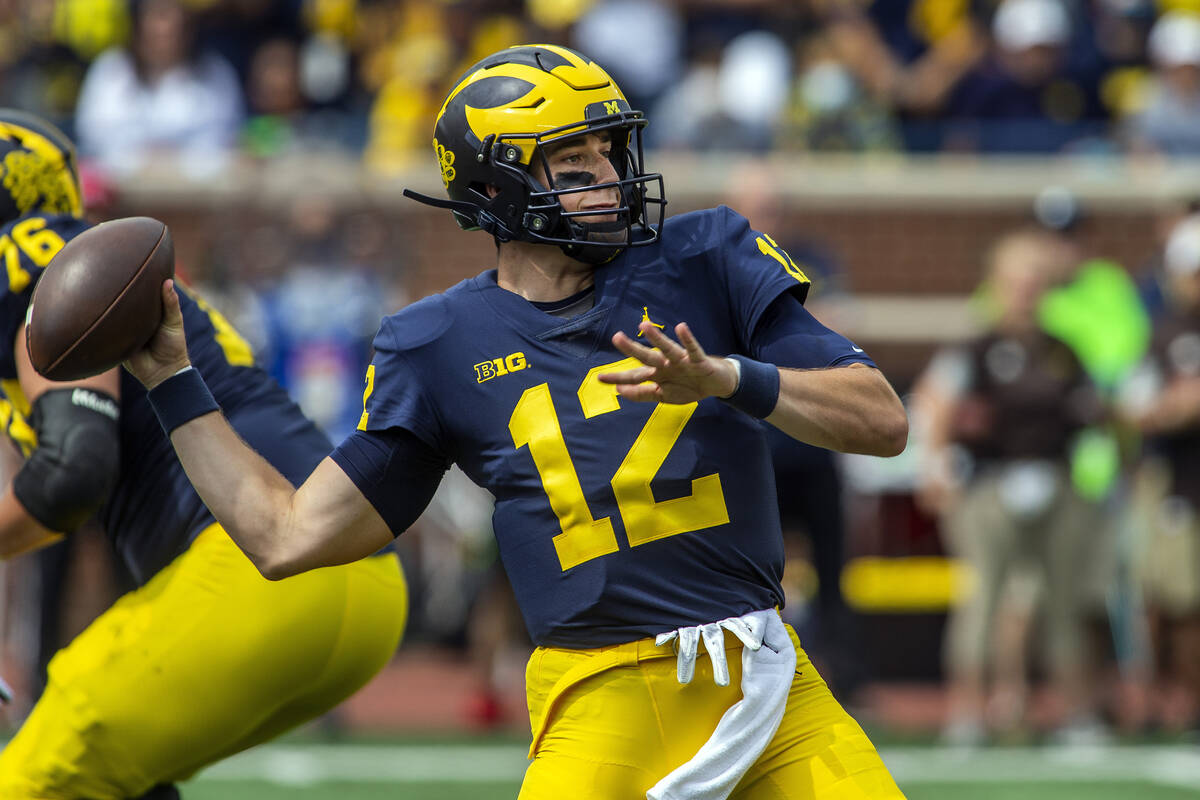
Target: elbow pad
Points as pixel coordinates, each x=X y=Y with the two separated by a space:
x=75 y=466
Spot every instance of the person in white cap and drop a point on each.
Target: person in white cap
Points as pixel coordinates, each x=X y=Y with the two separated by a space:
x=1030 y=35
x=1170 y=123
x=1026 y=97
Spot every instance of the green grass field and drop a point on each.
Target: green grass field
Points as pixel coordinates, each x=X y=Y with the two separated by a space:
x=491 y=770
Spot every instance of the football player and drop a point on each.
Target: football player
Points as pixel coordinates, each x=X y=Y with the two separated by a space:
x=631 y=530
x=206 y=657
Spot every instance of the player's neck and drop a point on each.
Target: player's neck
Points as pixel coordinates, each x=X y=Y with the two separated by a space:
x=541 y=273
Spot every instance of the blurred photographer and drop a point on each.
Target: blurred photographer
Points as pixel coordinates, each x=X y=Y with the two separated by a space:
x=1000 y=414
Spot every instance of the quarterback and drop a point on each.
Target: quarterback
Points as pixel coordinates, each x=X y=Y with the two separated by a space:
x=635 y=506
x=204 y=658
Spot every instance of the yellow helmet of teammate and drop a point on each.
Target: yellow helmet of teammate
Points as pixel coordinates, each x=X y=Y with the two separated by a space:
x=38 y=170
x=495 y=122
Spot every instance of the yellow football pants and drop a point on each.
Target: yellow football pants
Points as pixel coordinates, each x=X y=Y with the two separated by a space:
x=207 y=659
x=611 y=722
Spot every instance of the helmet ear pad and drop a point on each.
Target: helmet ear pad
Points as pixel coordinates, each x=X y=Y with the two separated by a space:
x=496 y=210
x=505 y=208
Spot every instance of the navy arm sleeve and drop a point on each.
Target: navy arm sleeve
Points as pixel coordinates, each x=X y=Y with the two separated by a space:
x=787 y=335
x=396 y=471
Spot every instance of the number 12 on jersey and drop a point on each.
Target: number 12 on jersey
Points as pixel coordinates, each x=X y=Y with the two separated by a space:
x=534 y=424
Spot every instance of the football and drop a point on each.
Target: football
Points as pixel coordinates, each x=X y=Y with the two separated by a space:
x=99 y=299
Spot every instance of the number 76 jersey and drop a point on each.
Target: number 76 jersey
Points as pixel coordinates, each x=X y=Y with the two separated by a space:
x=615 y=520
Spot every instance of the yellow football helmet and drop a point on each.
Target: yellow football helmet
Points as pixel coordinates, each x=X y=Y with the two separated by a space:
x=496 y=120
x=38 y=170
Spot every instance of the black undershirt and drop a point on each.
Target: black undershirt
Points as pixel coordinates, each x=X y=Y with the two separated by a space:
x=571 y=306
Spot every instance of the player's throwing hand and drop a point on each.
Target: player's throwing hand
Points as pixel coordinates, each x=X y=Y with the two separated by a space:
x=674 y=372
x=166 y=352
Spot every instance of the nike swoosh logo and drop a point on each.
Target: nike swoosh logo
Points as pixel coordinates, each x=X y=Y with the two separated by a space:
x=856 y=349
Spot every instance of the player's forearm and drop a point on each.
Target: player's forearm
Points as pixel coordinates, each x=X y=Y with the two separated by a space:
x=19 y=532
x=282 y=530
x=850 y=409
x=247 y=495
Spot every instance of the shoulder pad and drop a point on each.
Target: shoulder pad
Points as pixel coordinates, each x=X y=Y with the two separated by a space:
x=699 y=231
x=415 y=325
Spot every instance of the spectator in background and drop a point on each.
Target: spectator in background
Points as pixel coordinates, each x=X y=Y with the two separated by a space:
x=640 y=43
x=44 y=49
x=234 y=29
x=281 y=120
x=683 y=109
x=322 y=315
x=831 y=111
x=1151 y=275
x=907 y=61
x=1170 y=123
x=1163 y=400
x=306 y=289
x=753 y=82
x=1098 y=313
x=999 y=415
x=1027 y=96
x=410 y=61
x=732 y=98
x=160 y=95
x=1116 y=45
x=274 y=101
x=298 y=70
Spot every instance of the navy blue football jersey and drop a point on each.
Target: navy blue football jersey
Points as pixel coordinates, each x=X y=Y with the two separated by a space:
x=615 y=520
x=153 y=514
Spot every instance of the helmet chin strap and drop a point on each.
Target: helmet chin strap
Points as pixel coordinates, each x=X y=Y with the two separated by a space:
x=589 y=252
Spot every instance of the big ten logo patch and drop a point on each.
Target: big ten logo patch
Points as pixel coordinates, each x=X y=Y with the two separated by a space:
x=500 y=366
x=445 y=162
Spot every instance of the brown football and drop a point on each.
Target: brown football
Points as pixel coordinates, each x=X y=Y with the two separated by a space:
x=99 y=299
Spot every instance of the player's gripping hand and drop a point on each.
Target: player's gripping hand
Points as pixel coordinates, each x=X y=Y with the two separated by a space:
x=674 y=372
x=166 y=352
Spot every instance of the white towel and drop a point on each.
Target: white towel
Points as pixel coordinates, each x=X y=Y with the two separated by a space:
x=745 y=730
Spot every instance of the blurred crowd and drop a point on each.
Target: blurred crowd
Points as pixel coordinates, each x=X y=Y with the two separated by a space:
x=1058 y=451
x=219 y=79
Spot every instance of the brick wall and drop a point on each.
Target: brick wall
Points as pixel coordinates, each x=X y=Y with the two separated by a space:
x=901 y=231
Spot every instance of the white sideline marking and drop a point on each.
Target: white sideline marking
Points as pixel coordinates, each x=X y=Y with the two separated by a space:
x=1171 y=765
